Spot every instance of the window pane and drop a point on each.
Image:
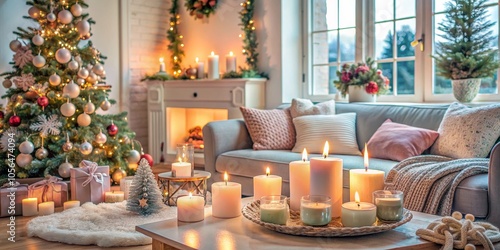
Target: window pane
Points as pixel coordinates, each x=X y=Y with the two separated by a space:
x=347 y=44
x=489 y=85
x=437 y=33
x=387 y=71
x=324 y=47
x=384 y=10
x=347 y=15
x=321 y=80
x=325 y=14
x=384 y=40
x=406 y=77
x=405 y=35
x=333 y=77
x=405 y=8
x=440 y=5
x=441 y=84
x=493 y=15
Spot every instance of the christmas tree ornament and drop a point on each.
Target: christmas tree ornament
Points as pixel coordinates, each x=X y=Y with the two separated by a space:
x=31 y=95
x=47 y=126
x=24 y=160
x=112 y=129
x=23 y=56
x=41 y=153
x=25 y=81
x=144 y=195
x=68 y=109
x=14 y=45
x=83 y=120
x=63 y=55
x=39 y=61
x=83 y=27
x=78 y=59
x=83 y=73
x=71 y=90
x=7 y=83
x=101 y=138
x=98 y=69
x=76 y=10
x=86 y=148
x=37 y=40
x=90 y=67
x=26 y=147
x=92 y=78
x=54 y=80
x=105 y=105
x=89 y=107
x=51 y=17
x=43 y=101
x=68 y=145
x=80 y=81
x=133 y=156
x=65 y=169
x=34 y=12
x=14 y=121
x=118 y=175
x=73 y=65
x=148 y=158
x=65 y=17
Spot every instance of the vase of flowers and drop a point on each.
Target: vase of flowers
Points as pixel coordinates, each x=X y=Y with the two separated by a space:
x=362 y=81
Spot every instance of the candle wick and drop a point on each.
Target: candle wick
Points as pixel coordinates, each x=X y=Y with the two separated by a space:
x=358 y=205
x=267 y=174
x=324 y=156
x=226 y=183
x=366 y=168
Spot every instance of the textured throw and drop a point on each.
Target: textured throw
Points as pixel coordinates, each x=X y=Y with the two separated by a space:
x=429 y=181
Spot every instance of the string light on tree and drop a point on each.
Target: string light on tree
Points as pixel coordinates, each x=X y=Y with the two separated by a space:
x=175 y=39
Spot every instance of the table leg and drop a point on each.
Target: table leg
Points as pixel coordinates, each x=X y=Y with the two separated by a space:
x=158 y=245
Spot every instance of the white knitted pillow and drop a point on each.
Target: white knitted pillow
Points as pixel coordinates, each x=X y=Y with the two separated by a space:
x=302 y=107
x=468 y=132
x=339 y=130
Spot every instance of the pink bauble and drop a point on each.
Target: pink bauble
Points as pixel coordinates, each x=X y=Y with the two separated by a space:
x=14 y=121
x=43 y=101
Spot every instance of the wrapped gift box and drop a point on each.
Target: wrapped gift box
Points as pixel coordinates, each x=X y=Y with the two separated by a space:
x=89 y=182
x=49 y=189
x=12 y=195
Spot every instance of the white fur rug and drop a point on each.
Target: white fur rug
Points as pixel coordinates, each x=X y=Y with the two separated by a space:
x=105 y=225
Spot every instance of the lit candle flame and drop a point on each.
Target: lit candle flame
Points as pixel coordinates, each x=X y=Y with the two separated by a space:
x=226 y=177
x=231 y=53
x=180 y=159
x=366 y=158
x=304 y=155
x=161 y=59
x=268 y=171
x=213 y=54
x=326 y=149
x=356 y=197
x=197 y=59
x=191 y=195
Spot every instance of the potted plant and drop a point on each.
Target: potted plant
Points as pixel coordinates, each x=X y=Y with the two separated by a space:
x=466 y=53
x=362 y=81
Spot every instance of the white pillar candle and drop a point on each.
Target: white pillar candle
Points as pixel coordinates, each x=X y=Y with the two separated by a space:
x=230 y=62
x=299 y=180
x=30 y=206
x=326 y=179
x=200 y=67
x=358 y=214
x=71 y=204
x=190 y=208
x=125 y=184
x=181 y=168
x=46 y=208
x=265 y=185
x=226 y=199
x=114 y=196
x=365 y=181
x=213 y=66
x=162 y=65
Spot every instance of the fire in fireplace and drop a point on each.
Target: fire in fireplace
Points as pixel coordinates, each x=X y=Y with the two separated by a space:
x=195 y=137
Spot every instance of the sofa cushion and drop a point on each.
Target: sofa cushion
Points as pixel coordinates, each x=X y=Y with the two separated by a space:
x=269 y=129
x=302 y=107
x=468 y=132
x=471 y=196
x=338 y=130
x=395 y=141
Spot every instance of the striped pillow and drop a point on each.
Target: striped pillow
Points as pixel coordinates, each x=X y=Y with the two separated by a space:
x=339 y=130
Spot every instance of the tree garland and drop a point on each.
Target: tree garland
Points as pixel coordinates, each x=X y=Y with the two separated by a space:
x=249 y=41
x=201 y=8
x=175 y=39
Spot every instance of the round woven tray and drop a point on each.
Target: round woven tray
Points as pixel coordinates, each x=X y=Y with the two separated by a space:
x=334 y=229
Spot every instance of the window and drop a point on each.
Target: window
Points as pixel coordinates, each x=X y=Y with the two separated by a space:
x=347 y=31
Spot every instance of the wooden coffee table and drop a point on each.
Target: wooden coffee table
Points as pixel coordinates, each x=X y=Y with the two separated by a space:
x=240 y=233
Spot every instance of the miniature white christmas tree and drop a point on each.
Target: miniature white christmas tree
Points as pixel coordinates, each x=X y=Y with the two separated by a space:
x=145 y=196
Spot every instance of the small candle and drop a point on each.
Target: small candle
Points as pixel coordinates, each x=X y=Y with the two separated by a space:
x=213 y=66
x=230 y=62
x=389 y=205
x=114 y=196
x=46 y=208
x=226 y=198
x=315 y=210
x=200 y=66
x=162 y=65
x=30 y=206
x=274 y=209
x=299 y=180
x=190 y=208
x=265 y=185
x=71 y=204
x=125 y=184
x=358 y=214
x=181 y=168
x=365 y=181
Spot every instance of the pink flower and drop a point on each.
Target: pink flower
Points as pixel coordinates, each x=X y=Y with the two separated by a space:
x=346 y=77
x=362 y=69
x=204 y=2
x=371 y=88
x=386 y=81
x=379 y=72
x=212 y=3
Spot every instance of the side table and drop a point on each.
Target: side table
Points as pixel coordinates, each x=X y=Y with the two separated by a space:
x=171 y=186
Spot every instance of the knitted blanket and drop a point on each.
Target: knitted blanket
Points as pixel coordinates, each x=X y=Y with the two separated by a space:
x=429 y=181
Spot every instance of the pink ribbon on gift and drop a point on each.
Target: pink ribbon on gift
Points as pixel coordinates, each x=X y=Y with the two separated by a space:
x=8 y=185
x=45 y=183
x=92 y=175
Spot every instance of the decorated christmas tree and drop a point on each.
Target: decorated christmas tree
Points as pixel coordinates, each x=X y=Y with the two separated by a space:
x=144 y=195
x=54 y=90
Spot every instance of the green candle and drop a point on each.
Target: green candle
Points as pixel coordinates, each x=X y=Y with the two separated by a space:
x=315 y=214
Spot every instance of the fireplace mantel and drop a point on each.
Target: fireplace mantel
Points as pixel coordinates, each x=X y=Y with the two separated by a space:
x=226 y=94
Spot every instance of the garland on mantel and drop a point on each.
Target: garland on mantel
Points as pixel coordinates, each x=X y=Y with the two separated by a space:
x=176 y=45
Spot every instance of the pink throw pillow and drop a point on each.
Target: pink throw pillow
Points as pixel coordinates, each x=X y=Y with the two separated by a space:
x=270 y=129
x=395 y=141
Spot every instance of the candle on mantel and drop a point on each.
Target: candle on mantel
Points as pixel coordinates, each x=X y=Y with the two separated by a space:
x=190 y=208
x=326 y=179
x=162 y=65
x=226 y=198
x=46 y=208
x=71 y=204
x=213 y=66
x=358 y=214
x=266 y=185
x=114 y=196
x=230 y=62
x=200 y=67
x=181 y=168
x=30 y=206
x=365 y=181
x=299 y=180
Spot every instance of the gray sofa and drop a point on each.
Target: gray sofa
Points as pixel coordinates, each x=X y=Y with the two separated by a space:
x=228 y=147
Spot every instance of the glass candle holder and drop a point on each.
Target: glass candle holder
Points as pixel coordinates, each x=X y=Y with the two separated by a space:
x=274 y=209
x=184 y=165
x=315 y=210
x=389 y=204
